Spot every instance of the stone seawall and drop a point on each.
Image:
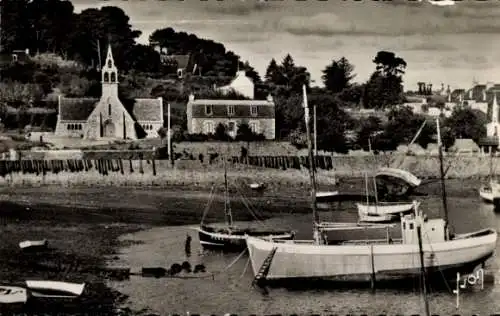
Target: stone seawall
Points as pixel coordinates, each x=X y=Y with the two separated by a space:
x=192 y=173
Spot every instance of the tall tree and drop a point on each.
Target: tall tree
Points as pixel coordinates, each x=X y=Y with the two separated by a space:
x=272 y=72
x=338 y=75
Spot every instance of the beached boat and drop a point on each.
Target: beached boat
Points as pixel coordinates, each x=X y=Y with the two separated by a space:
x=375 y=217
x=13 y=294
x=385 y=208
x=230 y=237
x=257 y=186
x=54 y=289
x=315 y=259
x=325 y=196
x=34 y=245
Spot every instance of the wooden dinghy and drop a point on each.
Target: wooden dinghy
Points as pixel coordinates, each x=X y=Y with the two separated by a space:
x=13 y=294
x=54 y=289
x=34 y=245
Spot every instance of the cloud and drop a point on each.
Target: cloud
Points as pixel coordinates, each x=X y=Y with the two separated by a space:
x=465 y=61
x=428 y=46
x=240 y=8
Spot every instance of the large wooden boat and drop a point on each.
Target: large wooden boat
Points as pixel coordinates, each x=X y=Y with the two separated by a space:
x=317 y=259
x=230 y=237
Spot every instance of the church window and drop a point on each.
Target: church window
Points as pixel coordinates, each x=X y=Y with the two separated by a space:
x=150 y=127
x=106 y=77
x=79 y=126
x=113 y=77
x=109 y=109
x=110 y=64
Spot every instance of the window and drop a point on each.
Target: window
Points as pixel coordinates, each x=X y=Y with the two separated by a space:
x=68 y=127
x=208 y=110
x=253 y=110
x=411 y=225
x=113 y=77
x=254 y=126
x=109 y=109
x=209 y=127
x=110 y=65
x=231 y=127
x=14 y=57
x=106 y=77
x=404 y=225
x=230 y=110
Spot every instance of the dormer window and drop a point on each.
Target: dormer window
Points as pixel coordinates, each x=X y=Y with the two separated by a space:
x=253 y=110
x=230 y=110
x=208 y=110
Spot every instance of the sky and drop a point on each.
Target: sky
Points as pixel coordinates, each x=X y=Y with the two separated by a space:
x=442 y=44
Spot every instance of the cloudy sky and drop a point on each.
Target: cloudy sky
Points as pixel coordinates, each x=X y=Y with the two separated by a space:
x=452 y=44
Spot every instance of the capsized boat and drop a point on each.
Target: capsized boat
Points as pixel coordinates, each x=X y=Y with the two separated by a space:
x=54 y=289
x=229 y=237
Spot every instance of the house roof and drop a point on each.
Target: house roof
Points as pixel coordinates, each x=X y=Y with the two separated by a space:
x=79 y=109
x=230 y=102
x=76 y=109
x=464 y=145
x=148 y=109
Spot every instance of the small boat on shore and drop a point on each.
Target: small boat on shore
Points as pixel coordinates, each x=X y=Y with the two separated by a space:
x=490 y=193
x=257 y=186
x=34 y=245
x=326 y=196
x=385 y=208
x=54 y=289
x=13 y=294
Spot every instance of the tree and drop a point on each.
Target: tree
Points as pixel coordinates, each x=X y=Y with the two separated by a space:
x=338 y=75
x=367 y=130
x=465 y=122
x=384 y=88
x=272 y=72
x=245 y=133
x=221 y=133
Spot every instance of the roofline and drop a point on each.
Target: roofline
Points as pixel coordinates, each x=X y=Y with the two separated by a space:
x=227 y=102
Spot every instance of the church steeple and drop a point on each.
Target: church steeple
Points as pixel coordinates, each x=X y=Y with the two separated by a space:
x=109 y=76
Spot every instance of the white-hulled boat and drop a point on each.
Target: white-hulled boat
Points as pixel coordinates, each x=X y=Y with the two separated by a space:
x=316 y=259
x=29 y=245
x=385 y=208
x=13 y=294
x=375 y=217
x=54 y=289
x=326 y=195
x=491 y=192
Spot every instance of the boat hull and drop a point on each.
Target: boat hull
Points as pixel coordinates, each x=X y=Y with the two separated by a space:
x=332 y=262
x=54 y=289
x=488 y=196
x=376 y=218
x=385 y=209
x=326 y=196
x=229 y=242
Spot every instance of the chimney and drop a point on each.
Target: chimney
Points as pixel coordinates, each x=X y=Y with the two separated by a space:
x=269 y=98
x=191 y=97
x=27 y=51
x=429 y=88
x=420 y=90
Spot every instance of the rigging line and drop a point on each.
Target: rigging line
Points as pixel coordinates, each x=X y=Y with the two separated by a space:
x=209 y=204
x=246 y=267
x=244 y=198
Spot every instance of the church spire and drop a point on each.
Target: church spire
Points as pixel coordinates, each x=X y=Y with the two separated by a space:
x=494 y=110
x=109 y=75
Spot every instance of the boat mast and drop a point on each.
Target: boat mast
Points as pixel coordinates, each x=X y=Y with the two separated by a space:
x=312 y=167
x=422 y=267
x=227 y=207
x=443 y=186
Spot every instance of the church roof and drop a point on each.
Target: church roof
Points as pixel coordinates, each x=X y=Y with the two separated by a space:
x=76 y=109
x=147 y=109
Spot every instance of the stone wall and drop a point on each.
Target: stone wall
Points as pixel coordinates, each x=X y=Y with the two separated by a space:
x=151 y=172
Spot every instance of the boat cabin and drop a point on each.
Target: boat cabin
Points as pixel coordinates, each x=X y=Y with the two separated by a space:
x=433 y=230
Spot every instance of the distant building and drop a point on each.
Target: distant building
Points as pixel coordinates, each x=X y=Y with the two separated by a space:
x=108 y=117
x=240 y=84
x=16 y=56
x=490 y=142
x=204 y=115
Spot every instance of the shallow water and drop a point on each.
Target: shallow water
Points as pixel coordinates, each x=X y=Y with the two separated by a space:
x=231 y=291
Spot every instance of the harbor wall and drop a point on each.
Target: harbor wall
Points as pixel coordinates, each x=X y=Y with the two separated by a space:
x=274 y=171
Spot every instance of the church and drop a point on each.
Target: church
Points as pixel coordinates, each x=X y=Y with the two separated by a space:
x=108 y=117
